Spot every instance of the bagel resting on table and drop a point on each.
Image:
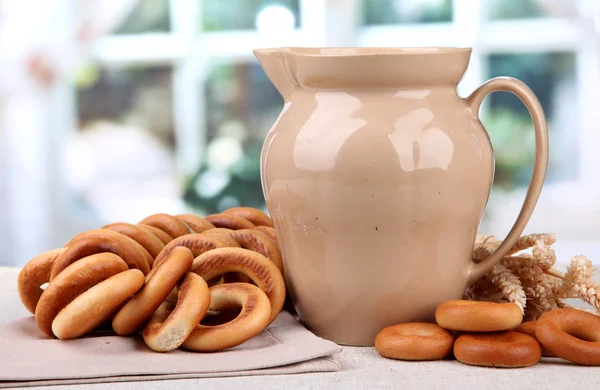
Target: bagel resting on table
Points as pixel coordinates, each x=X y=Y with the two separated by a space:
x=571 y=334
x=414 y=341
x=478 y=316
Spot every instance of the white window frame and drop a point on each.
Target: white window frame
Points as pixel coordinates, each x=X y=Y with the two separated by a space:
x=336 y=23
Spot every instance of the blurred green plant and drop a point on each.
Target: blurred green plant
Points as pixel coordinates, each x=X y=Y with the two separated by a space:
x=513 y=140
x=243 y=187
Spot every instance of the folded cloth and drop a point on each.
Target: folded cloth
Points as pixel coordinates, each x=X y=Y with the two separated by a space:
x=29 y=358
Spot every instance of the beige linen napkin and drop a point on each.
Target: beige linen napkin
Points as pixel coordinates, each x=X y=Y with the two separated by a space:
x=28 y=358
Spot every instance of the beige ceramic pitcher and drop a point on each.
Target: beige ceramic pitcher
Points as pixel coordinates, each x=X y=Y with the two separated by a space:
x=377 y=174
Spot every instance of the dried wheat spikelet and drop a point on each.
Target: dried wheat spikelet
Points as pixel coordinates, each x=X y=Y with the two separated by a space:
x=509 y=284
x=529 y=280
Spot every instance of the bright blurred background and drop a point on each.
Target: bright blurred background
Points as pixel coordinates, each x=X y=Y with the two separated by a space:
x=111 y=110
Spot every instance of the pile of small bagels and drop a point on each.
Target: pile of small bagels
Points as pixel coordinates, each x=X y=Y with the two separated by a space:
x=493 y=335
x=166 y=277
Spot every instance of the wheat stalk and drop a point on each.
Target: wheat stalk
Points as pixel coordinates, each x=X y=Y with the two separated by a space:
x=529 y=279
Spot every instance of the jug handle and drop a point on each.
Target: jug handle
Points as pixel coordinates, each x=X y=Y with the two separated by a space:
x=527 y=97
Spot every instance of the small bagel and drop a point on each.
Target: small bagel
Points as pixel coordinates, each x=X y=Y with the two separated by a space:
x=72 y=282
x=149 y=241
x=98 y=241
x=196 y=223
x=163 y=279
x=33 y=275
x=253 y=318
x=259 y=242
x=168 y=328
x=497 y=349
x=252 y=264
x=96 y=305
x=414 y=341
x=229 y=221
x=529 y=329
x=253 y=215
x=270 y=232
x=167 y=223
x=197 y=243
x=571 y=334
x=223 y=235
x=161 y=235
x=477 y=316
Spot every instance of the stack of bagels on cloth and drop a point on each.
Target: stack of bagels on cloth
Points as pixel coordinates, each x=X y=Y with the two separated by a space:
x=166 y=276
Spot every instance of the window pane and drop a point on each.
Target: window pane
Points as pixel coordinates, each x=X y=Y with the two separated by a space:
x=406 y=11
x=249 y=14
x=551 y=77
x=241 y=107
x=527 y=9
x=139 y=96
x=146 y=16
x=120 y=164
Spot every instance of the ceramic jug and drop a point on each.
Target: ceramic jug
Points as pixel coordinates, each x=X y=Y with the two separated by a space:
x=377 y=174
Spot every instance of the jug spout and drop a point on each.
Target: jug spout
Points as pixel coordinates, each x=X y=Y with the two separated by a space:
x=278 y=68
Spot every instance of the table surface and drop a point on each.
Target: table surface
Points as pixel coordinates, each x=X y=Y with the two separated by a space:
x=361 y=368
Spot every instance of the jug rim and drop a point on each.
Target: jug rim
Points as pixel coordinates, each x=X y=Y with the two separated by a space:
x=366 y=51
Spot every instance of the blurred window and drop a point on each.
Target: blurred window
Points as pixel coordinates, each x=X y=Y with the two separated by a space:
x=529 y=9
x=218 y=15
x=406 y=11
x=146 y=16
x=196 y=90
x=132 y=95
x=551 y=76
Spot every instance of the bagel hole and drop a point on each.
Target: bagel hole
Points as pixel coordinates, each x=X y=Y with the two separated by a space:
x=215 y=281
x=237 y=277
x=214 y=318
x=43 y=286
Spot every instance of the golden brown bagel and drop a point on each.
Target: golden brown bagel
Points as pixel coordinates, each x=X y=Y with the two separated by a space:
x=72 y=282
x=33 y=275
x=259 y=242
x=164 y=237
x=571 y=334
x=270 y=232
x=252 y=264
x=414 y=341
x=223 y=235
x=529 y=329
x=197 y=243
x=96 y=305
x=167 y=223
x=98 y=241
x=497 y=349
x=253 y=318
x=229 y=221
x=168 y=328
x=477 y=316
x=253 y=215
x=197 y=224
x=164 y=278
x=152 y=244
